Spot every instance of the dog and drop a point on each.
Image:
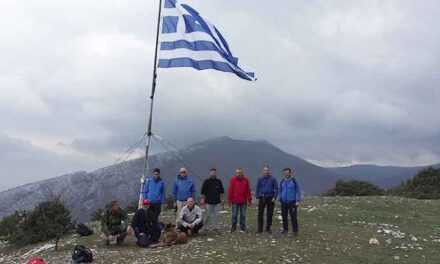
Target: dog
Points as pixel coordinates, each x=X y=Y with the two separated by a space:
x=171 y=237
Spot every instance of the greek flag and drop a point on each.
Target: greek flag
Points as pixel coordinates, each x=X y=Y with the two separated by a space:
x=188 y=40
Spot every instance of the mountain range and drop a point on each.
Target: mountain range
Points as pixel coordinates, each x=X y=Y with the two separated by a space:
x=84 y=192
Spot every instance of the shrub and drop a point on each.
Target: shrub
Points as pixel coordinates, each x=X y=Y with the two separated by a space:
x=49 y=220
x=97 y=215
x=354 y=188
x=132 y=207
x=169 y=203
x=10 y=226
x=425 y=185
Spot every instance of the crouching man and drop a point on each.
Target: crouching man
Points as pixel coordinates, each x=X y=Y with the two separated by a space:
x=190 y=219
x=144 y=225
x=114 y=224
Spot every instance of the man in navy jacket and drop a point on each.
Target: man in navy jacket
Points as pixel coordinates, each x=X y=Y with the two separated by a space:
x=290 y=196
x=267 y=192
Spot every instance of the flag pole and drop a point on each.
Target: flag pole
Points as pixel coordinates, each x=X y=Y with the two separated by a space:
x=149 y=122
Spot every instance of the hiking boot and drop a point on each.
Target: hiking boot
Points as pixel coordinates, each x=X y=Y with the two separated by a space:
x=233 y=229
x=284 y=232
x=242 y=230
x=120 y=239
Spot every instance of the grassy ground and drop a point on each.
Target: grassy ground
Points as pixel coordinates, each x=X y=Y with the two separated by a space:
x=332 y=230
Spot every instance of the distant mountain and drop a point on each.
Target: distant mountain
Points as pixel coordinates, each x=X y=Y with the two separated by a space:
x=383 y=176
x=84 y=192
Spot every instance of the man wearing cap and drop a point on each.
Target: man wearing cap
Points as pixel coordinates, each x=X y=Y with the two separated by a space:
x=183 y=189
x=144 y=225
x=154 y=192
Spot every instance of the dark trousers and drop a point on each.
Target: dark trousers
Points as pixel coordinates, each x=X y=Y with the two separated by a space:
x=156 y=209
x=194 y=230
x=153 y=234
x=292 y=210
x=265 y=202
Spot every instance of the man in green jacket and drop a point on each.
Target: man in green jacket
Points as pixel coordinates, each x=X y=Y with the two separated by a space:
x=114 y=224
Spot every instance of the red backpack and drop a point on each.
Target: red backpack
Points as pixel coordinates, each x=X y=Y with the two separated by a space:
x=36 y=261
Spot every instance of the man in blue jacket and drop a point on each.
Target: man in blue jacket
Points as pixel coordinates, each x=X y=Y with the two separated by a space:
x=183 y=189
x=290 y=197
x=154 y=192
x=267 y=192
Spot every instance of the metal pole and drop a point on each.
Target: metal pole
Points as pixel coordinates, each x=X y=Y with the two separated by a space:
x=149 y=132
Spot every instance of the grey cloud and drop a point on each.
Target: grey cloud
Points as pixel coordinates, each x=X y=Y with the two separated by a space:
x=339 y=82
x=22 y=162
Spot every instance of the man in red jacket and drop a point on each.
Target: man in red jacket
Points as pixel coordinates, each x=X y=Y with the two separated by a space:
x=239 y=197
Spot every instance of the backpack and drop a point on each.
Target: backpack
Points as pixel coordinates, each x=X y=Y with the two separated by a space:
x=36 y=261
x=81 y=254
x=84 y=230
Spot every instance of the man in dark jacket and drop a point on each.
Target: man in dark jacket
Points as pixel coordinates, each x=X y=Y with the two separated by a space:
x=290 y=197
x=145 y=227
x=239 y=197
x=154 y=192
x=266 y=192
x=212 y=196
x=114 y=224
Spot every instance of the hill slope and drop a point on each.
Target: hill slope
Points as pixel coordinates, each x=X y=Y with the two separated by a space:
x=332 y=231
x=383 y=176
x=85 y=192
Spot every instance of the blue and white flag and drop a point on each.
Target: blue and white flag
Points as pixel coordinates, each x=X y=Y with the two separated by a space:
x=188 y=40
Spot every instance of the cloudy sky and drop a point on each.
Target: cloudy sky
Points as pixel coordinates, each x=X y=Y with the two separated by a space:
x=340 y=82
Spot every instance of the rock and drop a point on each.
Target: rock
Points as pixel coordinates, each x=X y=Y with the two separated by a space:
x=35 y=251
x=374 y=241
x=311 y=209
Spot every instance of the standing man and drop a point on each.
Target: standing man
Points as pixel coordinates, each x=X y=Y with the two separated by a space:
x=239 y=197
x=190 y=219
x=290 y=197
x=154 y=192
x=212 y=196
x=267 y=192
x=183 y=189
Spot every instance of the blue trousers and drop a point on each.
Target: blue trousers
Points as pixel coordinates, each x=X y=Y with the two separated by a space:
x=239 y=208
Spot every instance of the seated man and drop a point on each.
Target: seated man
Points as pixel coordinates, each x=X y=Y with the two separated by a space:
x=144 y=225
x=190 y=219
x=113 y=224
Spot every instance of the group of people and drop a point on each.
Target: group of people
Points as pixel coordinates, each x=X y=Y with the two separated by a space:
x=190 y=218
